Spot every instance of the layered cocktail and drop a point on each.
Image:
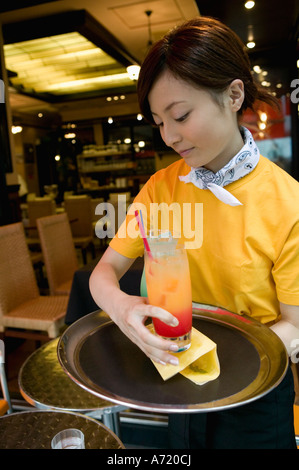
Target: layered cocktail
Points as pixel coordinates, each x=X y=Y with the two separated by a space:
x=169 y=287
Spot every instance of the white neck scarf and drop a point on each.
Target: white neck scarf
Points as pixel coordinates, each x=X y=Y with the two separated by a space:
x=240 y=165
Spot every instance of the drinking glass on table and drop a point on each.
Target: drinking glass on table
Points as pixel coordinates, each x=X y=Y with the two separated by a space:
x=169 y=287
x=68 y=439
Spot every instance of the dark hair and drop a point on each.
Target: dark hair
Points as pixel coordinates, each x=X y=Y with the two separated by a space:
x=205 y=53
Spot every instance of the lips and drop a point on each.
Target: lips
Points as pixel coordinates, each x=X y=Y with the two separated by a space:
x=185 y=153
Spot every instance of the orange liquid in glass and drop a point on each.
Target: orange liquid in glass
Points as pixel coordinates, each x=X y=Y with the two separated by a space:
x=169 y=287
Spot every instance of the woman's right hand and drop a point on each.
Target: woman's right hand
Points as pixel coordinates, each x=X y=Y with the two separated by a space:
x=127 y=311
x=131 y=320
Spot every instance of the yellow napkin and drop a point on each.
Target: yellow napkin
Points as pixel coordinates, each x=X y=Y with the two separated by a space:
x=199 y=363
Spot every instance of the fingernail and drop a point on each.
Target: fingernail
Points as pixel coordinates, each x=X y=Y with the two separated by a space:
x=175 y=322
x=174 y=361
x=174 y=347
x=162 y=363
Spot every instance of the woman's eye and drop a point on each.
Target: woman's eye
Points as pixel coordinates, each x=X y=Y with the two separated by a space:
x=182 y=118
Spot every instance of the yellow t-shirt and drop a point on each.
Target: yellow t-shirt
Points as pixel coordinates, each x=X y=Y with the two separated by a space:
x=243 y=258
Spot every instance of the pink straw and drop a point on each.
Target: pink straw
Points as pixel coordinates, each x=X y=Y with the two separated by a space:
x=141 y=228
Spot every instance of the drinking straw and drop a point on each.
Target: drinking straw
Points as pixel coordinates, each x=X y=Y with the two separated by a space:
x=142 y=232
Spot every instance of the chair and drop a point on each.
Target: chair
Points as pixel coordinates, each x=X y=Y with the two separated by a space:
x=78 y=209
x=5 y=402
x=58 y=252
x=23 y=311
x=38 y=207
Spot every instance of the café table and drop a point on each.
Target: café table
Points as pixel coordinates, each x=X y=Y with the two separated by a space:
x=35 y=430
x=45 y=385
x=81 y=302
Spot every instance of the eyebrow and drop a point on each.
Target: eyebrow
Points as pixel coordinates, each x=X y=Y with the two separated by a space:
x=170 y=106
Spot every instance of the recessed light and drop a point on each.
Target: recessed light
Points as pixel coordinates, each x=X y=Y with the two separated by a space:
x=249 y=5
x=250 y=45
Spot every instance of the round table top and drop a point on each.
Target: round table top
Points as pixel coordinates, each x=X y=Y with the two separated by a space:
x=44 y=384
x=36 y=429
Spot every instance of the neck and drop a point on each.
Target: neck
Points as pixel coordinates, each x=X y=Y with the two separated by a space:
x=234 y=146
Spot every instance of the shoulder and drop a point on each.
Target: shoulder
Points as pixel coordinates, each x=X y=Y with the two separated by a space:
x=279 y=179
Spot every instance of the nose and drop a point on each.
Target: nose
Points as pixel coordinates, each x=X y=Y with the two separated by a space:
x=170 y=135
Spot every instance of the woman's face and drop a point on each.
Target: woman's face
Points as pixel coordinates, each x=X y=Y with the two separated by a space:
x=193 y=124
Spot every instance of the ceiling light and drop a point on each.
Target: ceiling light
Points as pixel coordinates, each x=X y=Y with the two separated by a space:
x=139 y=117
x=40 y=115
x=70 y=135
x=262 y=125
x=279 y=85
x=122 y=97
x=257 y=69
x=16 y=129
x=110 y=120
x=62 y=64
x=109 y=98
x=57 y=158
x=133 y=71
x=250 y=45
x=263 y=117
x=249 y=5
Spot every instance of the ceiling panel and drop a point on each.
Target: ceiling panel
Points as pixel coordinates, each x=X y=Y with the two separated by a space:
x=61 y=65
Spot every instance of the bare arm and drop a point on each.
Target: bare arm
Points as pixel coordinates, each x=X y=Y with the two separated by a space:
x=288 y=327
x=127 y=311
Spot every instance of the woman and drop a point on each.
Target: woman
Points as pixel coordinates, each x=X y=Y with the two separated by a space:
x=194 y=85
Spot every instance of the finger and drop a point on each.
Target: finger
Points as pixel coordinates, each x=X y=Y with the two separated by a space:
x=155 y=347
x=163 y=315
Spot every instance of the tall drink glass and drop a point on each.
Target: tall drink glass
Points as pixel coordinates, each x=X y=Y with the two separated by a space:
x=169 y=287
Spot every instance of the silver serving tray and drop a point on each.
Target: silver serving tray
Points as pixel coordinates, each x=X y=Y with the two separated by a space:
x=102 y=360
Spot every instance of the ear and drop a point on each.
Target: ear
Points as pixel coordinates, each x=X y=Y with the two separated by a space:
x=236 y=94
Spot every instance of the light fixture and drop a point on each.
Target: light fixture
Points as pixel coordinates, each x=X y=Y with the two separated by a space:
x=133 y=71
x=148 y=14
x=110 y=120
x=262 y=126
x=249 y=5
x=16 y=129
x=139 y=117
x=263 y=117
x=40 y=115
x=257 y=69
x=250 y=44
x=57 y=158
x=70 y=135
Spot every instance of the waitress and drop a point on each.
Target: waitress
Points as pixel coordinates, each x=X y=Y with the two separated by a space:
x=194 y=84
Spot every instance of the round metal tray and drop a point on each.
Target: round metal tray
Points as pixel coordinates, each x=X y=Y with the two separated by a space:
x=101 y=359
